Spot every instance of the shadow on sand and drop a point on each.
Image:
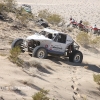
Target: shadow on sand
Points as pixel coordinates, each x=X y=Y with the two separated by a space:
x=58 y=60
x=17 y=91
x=40 y=68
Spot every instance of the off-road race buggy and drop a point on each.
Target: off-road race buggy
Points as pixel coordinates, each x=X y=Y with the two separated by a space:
x=50 y=42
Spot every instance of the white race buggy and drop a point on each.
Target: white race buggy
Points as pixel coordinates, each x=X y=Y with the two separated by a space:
x=50 y=42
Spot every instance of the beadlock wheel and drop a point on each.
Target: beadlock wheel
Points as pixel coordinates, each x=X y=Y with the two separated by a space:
x=41 y=54
x=76 y=58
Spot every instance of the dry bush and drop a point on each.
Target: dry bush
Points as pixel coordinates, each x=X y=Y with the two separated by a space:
x=10 y=5
x=23 y=16
x=97 y=79
x=43 y=14
x=95 y=42
x=13 y=57
x=41 y=95
x=2 y=7
x=50 y=17
x=83 y=38
x=54 y=19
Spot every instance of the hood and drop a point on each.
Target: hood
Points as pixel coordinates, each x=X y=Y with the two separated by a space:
x=37 y=36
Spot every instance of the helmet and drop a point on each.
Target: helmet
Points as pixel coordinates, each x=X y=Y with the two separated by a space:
x=71 y=18
x=80 y=21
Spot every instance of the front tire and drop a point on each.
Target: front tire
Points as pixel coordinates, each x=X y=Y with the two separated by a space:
x=39 y=52
x=76 y=57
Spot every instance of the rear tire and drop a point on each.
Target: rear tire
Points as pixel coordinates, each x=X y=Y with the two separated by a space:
x=76 y=57
x=17 y=43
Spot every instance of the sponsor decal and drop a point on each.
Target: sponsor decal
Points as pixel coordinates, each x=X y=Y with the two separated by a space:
x=51 y=47
x=55 y=47
x=46 y=46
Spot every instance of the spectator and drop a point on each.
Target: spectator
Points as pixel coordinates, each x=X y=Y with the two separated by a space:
x=95 y=29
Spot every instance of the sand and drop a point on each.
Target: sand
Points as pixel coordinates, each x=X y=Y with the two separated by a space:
x=65 y=80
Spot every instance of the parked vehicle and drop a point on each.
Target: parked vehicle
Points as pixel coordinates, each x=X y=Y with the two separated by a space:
x=82 y=27
x=73 y=24
x=95 y=30
x=27 y=8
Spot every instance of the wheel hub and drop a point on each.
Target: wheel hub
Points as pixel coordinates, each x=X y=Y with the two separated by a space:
x=77 y=58
x=41 y=54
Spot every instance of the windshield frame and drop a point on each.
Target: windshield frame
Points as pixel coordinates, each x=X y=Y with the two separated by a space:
x=44 y=33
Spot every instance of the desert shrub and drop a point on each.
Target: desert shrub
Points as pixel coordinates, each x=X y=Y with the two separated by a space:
x=10 y=5
x=41 y=95
x=54 y=19
x=83 y=38
x=50 y=17
x=2 y=7
x=43 y=14
x=13 y=57
x=97 y=79
x=95 y=42
x=23 y=16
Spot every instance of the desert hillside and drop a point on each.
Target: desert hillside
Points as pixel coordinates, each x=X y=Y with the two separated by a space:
x=86 y=10
x=65 y=80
